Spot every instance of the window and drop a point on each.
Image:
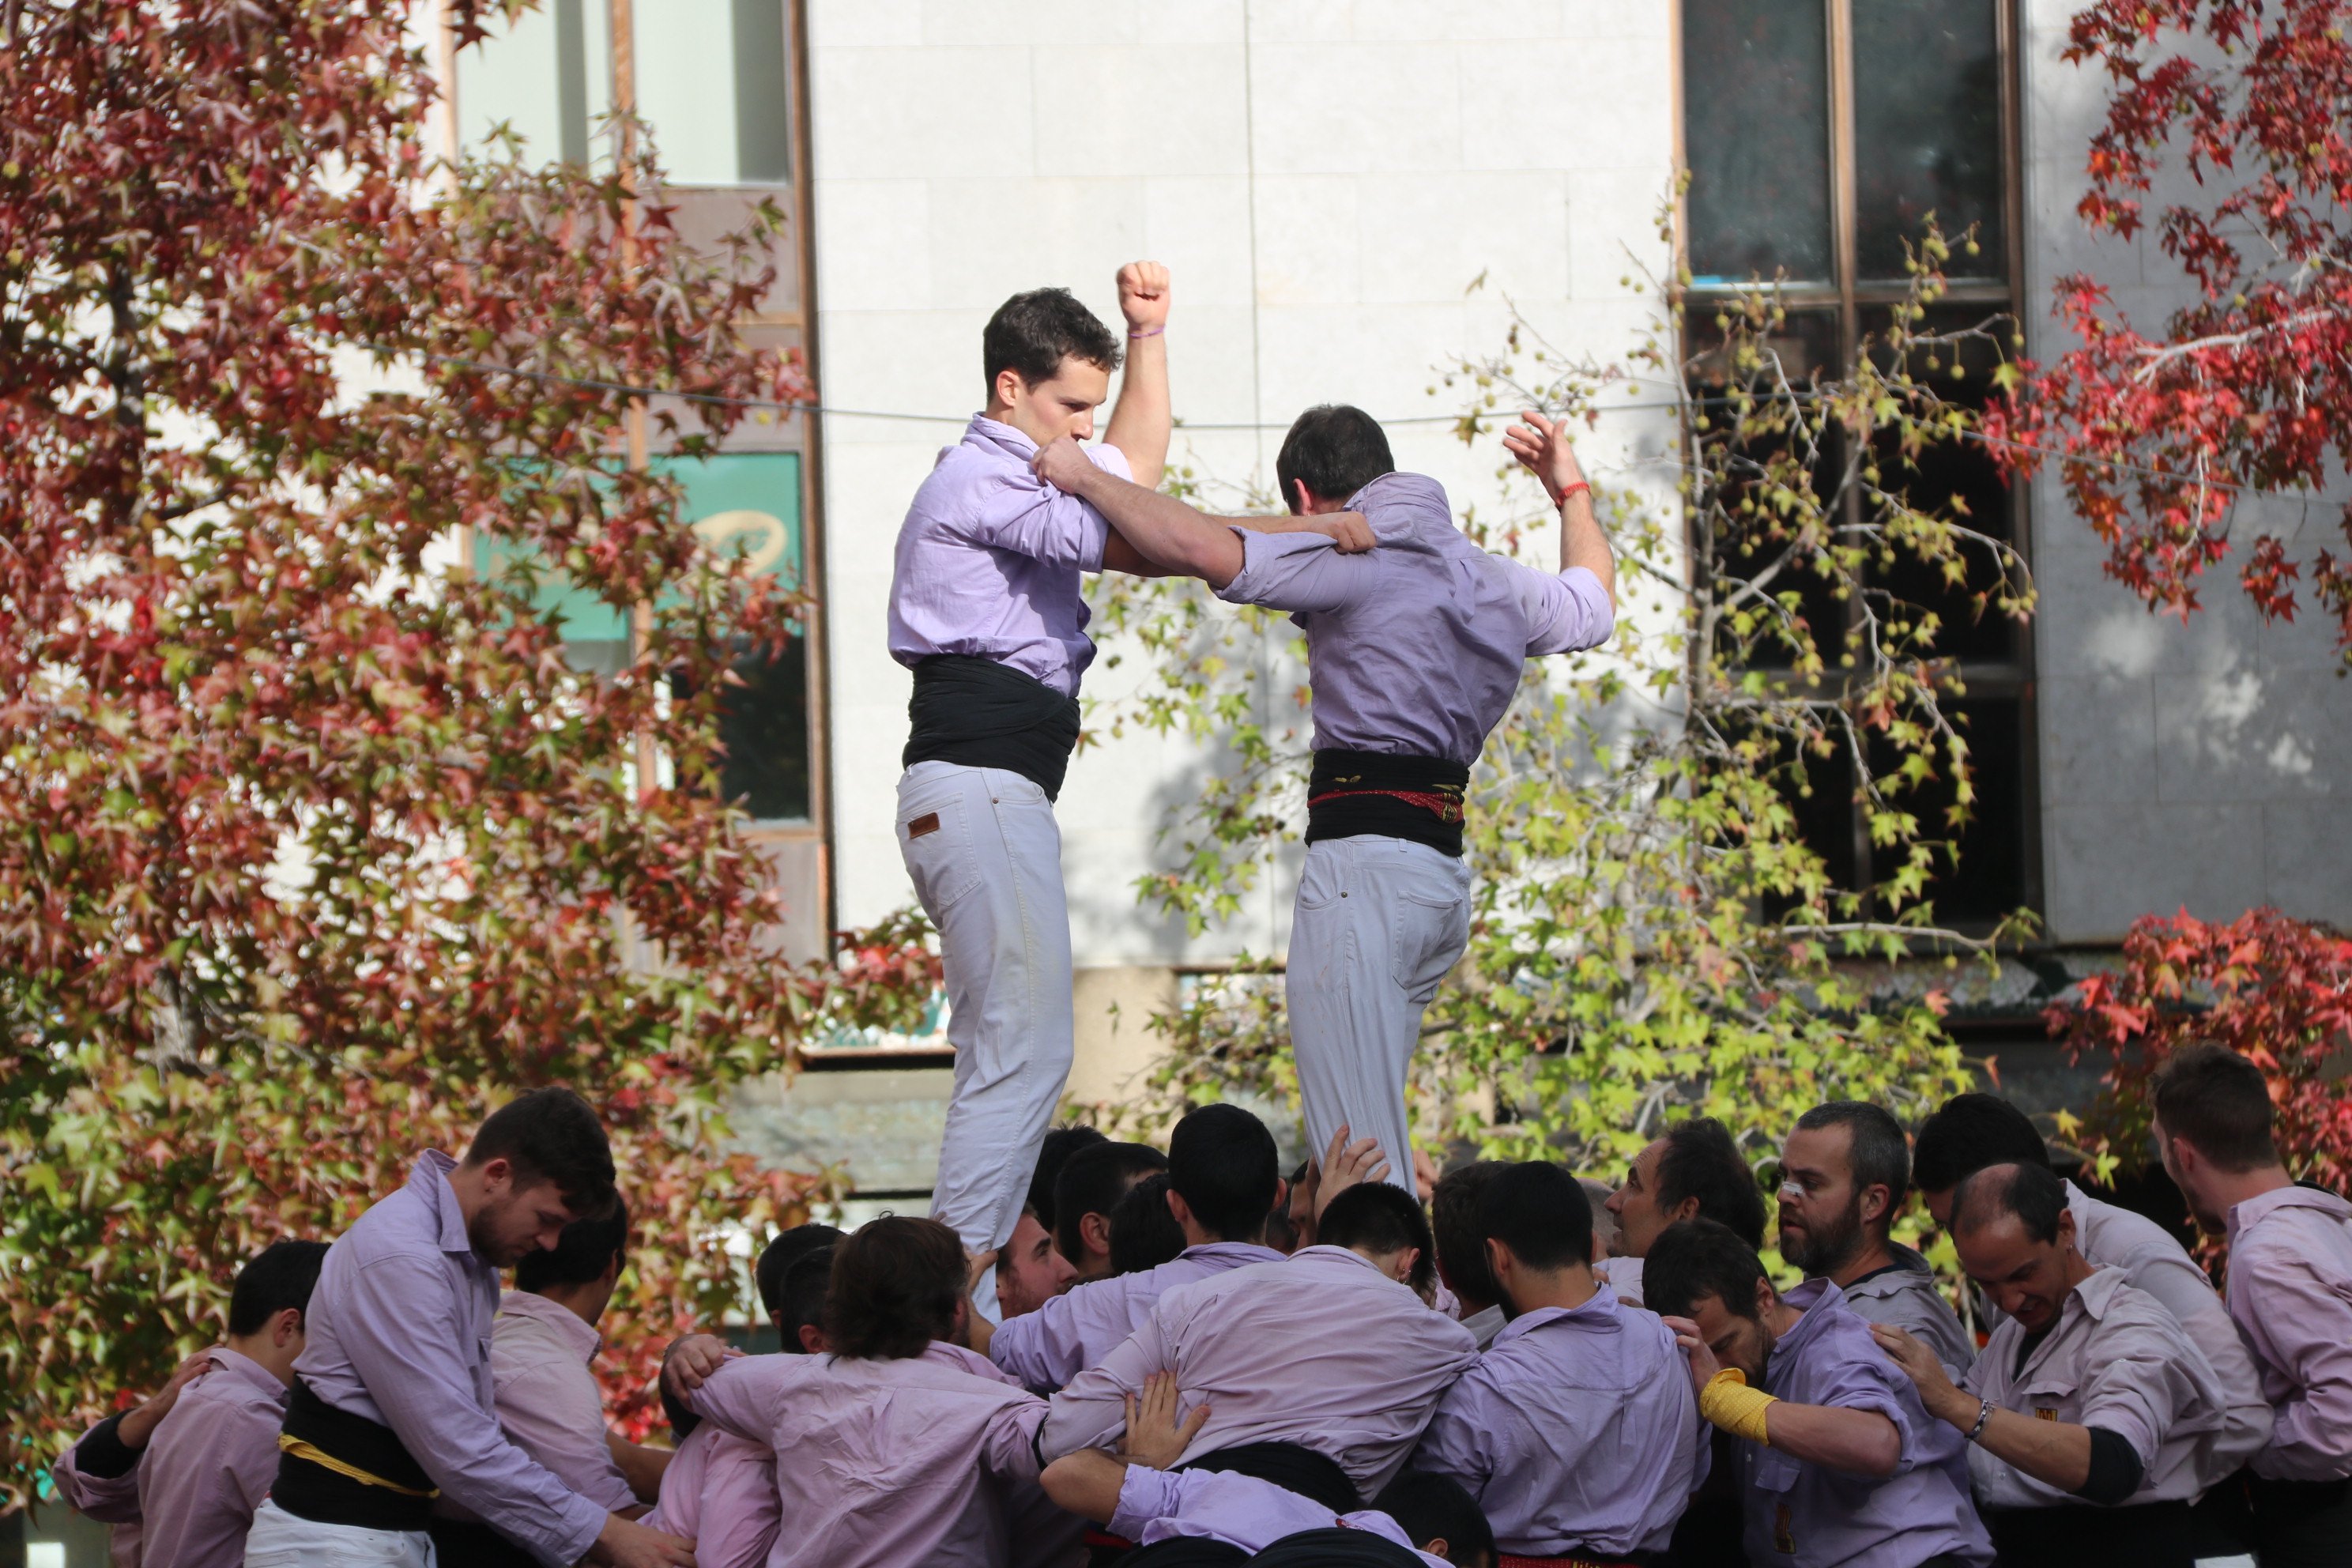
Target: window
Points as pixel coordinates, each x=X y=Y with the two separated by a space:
x=1820 y=134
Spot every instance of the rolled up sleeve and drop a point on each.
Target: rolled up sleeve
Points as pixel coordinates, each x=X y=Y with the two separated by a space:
x=1092 y=1411
x=2302 y=1326
x=2135 y=1386
x=1300 y=573
x=1564 y=613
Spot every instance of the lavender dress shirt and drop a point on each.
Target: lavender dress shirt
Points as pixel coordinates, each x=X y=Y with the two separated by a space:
x=2291 y=1296
x=2116 y=1359
x=1576 y=1431
x=398 y=1331
x=883 y=1464
x=989 y=560
x=1416 y=647
x=2154 y=1261
x=209 y=1464
x=1075 y=1329
x=548 y=1400
x=1816 y=1517
x=1239 y=1510
x=1908 y=1297
x=112 y=1501
x=719 y=1492
x=1321 y=1349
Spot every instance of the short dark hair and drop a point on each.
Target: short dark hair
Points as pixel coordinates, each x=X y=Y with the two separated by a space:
x=1143 y=1233
x=1223 y=1163
x=551 y=1135
x=1032 y=333
x=801 y=1296
x=2220 y=1102
x=1877 y=1153
x=1051 y=1155
x=1429 y=1508
x=2032 y=1192
x=1460 y=1231
x=1092 y=1181
x=1695 y=1258
x=1335 y=451
x=1973 y=1131
x=279 y=1276
x=896 y=1283
x=580 y=1255
x=1540 y=1213
x=1379 y=1218
x=1701 y=1161
x=776 y=1259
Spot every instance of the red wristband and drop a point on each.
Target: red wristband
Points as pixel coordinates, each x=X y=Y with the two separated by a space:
x=1579 y=487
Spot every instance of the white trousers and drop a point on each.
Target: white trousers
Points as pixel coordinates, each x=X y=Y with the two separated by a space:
x=1378 y=924
x=985 y=856
x=282 y=1539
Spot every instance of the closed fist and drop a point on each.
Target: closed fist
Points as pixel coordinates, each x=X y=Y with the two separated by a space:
x=1143 y=295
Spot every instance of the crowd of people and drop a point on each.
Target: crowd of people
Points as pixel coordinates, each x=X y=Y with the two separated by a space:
x=1196 y=1359
x=1098 y=1351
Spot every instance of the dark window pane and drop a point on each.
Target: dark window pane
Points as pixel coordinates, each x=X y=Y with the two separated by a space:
x=1986 y=879
x=1819 y=792
x=1927 y=132
x=1755 y=131
x=764 y=725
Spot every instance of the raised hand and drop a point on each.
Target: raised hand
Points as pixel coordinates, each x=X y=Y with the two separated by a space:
x=1143 y=295
x=1345 y=1164
x=1063 y=464
x=688 y=1363
x=1154 y=1437
x=133 y=1430
x=1543 y=447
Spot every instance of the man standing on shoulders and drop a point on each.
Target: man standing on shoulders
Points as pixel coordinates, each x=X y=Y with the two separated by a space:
x=1414 y=652
x=2289 y=1293
x=2091 y=1411
x=392 y=1404
x=1844 y=1173
x=1839 y=1463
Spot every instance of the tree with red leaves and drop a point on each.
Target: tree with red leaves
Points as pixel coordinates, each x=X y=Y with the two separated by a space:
x=2278 y=991
x=2248 y=387
x=312 y=846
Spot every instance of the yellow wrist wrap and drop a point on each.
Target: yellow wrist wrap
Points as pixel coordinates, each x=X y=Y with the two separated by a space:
x=1730 y=1403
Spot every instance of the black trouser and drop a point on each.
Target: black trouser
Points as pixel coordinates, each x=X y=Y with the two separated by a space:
x=2290 y=1524
x=1337 y=1548
x=1708 y=1533
x=2072 y=1535
x=1185 y=1551
x=459 y=1545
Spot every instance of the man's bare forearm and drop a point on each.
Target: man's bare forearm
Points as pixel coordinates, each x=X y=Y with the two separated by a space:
x=1582 y=543
x=1140 y=424
x=1163 y=530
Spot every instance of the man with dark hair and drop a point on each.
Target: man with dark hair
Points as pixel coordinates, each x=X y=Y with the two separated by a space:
x=393 y=1404
x=1576 y=1429
x=799 y=1314
x=1091 y=1183
x=1695 y=1171
x=2089 y=1391
x=1061 y=1145
x=199 y=1460
x=1030 y=1270
x=542 y=1348
x=1222 y=1185
x=986 y=609
x=1844 y=1173
x=1197 y=1518
x=2290 y=1294
x=1320 y=1370
x=886 y=1453
x=1414 y=652
x=1144 y=1232
x=1839 y=1461
x=1975 y=1132
x=775 y=1266
x=1459 y=1236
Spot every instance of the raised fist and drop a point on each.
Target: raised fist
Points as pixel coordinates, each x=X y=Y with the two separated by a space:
x=1143 y=295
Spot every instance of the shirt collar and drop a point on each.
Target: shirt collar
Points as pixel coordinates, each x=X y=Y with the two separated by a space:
x=429 y=1177
x=2096 y=1292
x=561 y=1321
x=245 y=1369
x=985 y=432
x=2255 y=1209
x=1806 y=1298
x=1324 y=1251
x=1240 y=1251
x=1599 y=1314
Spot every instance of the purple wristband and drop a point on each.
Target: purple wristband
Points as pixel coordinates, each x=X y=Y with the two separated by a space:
x=1148 y=332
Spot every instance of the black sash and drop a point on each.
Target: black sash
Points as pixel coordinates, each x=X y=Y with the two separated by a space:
x=325 y=1495
x=1315 y=1477
x=2069 y=1535
x=982 y=714
x=1337 y=1548
x=1356 y=795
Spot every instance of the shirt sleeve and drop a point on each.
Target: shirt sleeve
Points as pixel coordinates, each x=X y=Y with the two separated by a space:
x=402 y=1332
x=248 y=1441
x=1564 y=613
x=1091 y=1412
x=1009 y=1452
x=742 y=1512
x=108 y=1499
x=1457 y=1442
x=1298 y=572
x=2134 y=1383
x=740 y=1397
x=1044 y=1349
x=1146 y=1494
x=1868 y=1385
x=2303 y=1327
x=1012 y=508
